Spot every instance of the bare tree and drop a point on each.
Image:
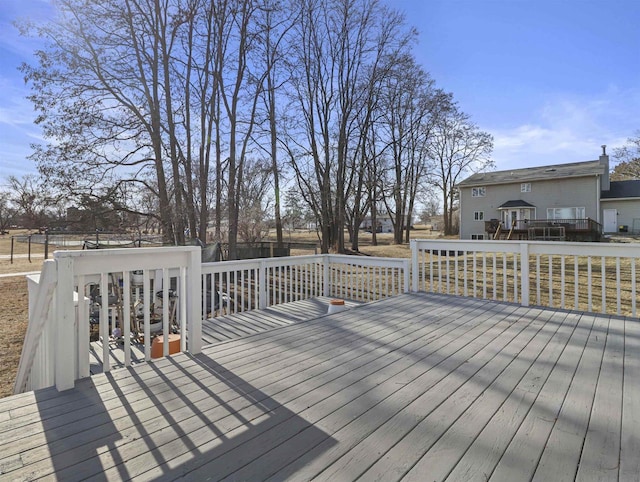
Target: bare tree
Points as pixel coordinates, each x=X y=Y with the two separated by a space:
x=457 y=147
x=104 y=88
x=254 y=203
x=7 y=212
x=338 y=43
x=31 y=199
x=411 y=106
x=277 y=20
x=628 y=158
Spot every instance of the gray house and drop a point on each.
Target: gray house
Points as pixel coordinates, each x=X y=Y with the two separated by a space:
x=560 y=201
x=621 y=207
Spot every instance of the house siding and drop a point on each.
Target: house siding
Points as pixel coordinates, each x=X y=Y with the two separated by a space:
x=628 y=210
x=555 y=193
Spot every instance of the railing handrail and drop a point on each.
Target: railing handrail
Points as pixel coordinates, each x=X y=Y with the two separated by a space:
x=310 y=258
x=38 y=314
x=534 y=247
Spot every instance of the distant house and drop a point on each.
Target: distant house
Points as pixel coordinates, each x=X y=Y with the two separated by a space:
x=383 y=222
x=574 y=201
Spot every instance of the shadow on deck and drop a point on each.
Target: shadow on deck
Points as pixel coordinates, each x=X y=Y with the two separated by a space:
x=226 y=328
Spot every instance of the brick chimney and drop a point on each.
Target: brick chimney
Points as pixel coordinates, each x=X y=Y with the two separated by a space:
x=605 y=185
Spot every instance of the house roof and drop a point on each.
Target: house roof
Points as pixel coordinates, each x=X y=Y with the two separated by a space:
x=622 y=189
x=518 y=203
x=555 y=171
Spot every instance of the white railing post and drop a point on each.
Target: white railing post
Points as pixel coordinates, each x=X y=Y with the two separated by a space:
x=194 y=308
x=524 y=273
x=326 y=286
x=262 y=285
x=415 y=269
x=406 y=269
x=65 y=349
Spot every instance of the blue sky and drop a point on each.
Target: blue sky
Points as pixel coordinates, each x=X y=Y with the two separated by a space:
x=552 y=80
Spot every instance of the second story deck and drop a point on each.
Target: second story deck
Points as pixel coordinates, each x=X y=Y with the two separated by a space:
x=546 y=230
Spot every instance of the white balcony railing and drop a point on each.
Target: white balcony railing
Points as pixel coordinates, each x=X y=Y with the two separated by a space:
x=237 y=286
x=56 y=347
x=144 y=291
x=128 y=295
x=594 y=277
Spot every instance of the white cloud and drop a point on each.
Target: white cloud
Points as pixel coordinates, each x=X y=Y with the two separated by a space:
x=568 y=129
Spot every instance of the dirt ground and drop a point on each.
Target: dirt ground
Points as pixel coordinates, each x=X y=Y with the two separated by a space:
x=14 y=303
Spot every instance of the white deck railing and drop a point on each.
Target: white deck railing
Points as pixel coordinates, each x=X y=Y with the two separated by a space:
x=236 y=286
x=56 y=348
x=67 y=297
x=124 y=295
x=595 y=277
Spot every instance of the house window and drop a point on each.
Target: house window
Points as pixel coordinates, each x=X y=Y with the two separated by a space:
x=477 y=236
x=565 y=213
x=478 y=216
x=478 y=191
x=525 y=187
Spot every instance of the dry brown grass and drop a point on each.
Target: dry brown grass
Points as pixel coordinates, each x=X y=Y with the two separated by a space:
x=14 y=303
x=14 y=308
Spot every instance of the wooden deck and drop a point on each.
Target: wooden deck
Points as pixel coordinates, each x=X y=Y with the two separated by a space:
x=225 y=328
x=418 y=387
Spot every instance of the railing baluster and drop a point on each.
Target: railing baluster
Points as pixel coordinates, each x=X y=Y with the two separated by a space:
x=576 y=290
x=83 y=330
x=182 y=303
x=104 y=321
x=456 y=276
x=447 y=268
x=589 y=285
x=603 y=275
x=165 y=310
x=538 y=278
x=484 y=276
x=466 y=274
x=550 y=287
x=474 y=275
x=633 y=287
x=495 y=278
x=619 y=307
x=515 y=278
x=562 y=276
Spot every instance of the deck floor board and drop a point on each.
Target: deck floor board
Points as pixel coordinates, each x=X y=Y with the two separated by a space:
x=413 y=387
